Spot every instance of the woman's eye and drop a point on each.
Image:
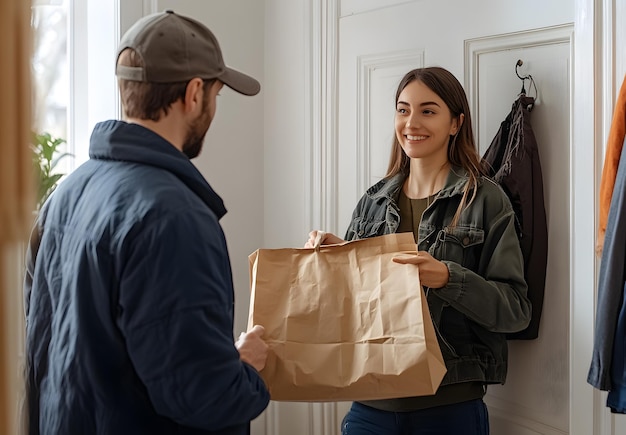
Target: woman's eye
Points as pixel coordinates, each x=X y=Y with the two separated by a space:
x=428 y=112
x=401 y=110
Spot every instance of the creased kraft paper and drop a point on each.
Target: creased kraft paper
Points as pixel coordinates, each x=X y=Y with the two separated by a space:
x=344 y=322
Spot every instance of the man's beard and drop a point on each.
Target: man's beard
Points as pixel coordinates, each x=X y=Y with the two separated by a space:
x=196 y=134
x=193 y=143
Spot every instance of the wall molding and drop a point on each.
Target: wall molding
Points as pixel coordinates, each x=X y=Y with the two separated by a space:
x=354 y=7
x=321 y=74
x=611 y=32
x=609 y=59
x=323 y=79
x=366 y=66
x=620 y=41
x=584 y=157
x=150 y=7
x=474 y=48
x=272 y=418
x=323 y=418
x=510 y=412
x=526 y=419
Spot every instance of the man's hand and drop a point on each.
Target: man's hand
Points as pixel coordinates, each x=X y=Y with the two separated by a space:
x=252 y=349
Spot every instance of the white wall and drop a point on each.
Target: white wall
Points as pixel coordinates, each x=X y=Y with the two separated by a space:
x=233 y=155
x=286 y=120
x=471 y=20
x=266 y=155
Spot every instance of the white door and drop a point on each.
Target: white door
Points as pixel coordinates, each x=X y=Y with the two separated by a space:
x=379 y=42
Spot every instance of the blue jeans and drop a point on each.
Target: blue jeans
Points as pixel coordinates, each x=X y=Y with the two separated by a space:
x=465 y=418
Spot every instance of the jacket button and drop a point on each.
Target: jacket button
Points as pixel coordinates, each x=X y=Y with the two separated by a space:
x=466 y=241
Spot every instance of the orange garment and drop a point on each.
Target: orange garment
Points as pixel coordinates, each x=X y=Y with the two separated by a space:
x=614 y=146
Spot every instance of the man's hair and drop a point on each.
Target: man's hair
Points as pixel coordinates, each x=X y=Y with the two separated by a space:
x=144 y=100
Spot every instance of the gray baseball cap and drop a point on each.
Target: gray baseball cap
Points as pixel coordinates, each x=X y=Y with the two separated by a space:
x=175 y=48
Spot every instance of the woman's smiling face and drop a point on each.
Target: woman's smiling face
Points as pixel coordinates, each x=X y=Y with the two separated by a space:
x=424 y=123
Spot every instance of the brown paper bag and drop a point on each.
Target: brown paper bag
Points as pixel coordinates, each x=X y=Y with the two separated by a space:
x=344 y=322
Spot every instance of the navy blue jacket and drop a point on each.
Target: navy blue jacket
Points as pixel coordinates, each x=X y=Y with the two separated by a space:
x=608 y=362
x=129 y=299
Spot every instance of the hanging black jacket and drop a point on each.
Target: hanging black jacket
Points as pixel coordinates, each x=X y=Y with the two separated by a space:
x=513 y=161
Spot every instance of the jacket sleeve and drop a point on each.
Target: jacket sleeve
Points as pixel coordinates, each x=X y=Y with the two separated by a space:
x=495 y=295
x=175 y=311
x=611 y=286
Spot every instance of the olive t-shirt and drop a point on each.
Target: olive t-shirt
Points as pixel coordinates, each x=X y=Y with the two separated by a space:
x=411 y=211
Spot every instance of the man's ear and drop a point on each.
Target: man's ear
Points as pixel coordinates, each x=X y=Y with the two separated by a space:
x=193 y=95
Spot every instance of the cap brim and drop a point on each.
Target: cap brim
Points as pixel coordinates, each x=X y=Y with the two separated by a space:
x=240 y=82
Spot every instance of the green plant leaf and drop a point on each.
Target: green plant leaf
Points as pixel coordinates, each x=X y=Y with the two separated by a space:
x=46 y=156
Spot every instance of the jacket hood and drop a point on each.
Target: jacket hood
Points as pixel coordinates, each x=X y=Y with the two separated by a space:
x=119 y=140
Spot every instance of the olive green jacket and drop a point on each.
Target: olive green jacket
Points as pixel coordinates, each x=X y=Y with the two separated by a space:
x=485 y=297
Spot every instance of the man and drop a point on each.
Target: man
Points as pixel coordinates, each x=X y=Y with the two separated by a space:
x=129 y=294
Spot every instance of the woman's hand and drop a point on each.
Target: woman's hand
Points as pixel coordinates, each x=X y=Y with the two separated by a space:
x=325 y=239
x=433 y=273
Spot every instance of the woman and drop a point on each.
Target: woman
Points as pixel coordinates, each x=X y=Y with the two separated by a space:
x=469 y=258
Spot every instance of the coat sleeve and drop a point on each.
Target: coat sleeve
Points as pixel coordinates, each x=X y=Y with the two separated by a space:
x=495 y=296
x=175 y=311
x=611 y=285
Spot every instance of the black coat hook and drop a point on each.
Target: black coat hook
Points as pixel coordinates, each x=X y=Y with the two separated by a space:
x=519 y=63
x=527 y=77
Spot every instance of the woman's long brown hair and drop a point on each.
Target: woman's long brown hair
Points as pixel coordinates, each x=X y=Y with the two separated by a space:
x=462 y=150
